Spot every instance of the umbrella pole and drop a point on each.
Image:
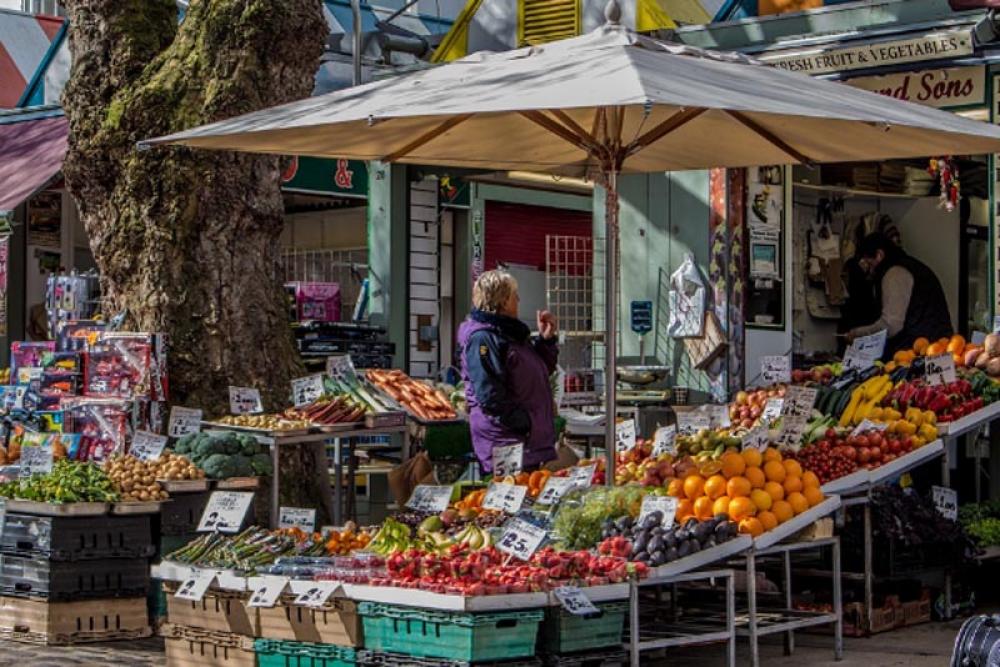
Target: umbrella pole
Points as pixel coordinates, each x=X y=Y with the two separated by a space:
x=610 y=318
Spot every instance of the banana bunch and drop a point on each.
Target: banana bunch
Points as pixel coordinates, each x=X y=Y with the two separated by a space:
x=474 y=537
x=437 y=542
x=391 y=538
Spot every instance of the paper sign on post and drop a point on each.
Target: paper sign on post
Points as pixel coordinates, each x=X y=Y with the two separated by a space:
x=865 y=351
x=183 y=421
x=625 y=436
x=520 y=539
x=147 y=446
x=429 y=498
x=772 y=409
x=194 y=588
x=508 y=460
x=225 y=511
x=266 y=595
x=582 y=476
x=307 y=390
x=867 y=425
x=245 y=401
x=664 y=440
x=665 y=505
x=776 y=370
x=799 y=401
x=946 y=501
x=940 y=370
x=504 y=497
x=317 y=594
x=574 y=601
x=554 y=489
x=297 y=517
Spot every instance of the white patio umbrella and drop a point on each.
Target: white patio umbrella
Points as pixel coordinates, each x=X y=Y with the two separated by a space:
x=606 y=103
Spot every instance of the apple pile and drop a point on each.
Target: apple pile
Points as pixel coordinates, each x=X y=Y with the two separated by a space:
x=749 y=405
x=817 y=374
x=837 y=454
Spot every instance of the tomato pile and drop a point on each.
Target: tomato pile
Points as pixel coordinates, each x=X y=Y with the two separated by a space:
x=838 y=455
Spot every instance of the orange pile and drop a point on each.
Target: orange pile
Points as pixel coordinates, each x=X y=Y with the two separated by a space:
x=535 y=481
x=956 y=346
x=760 y=491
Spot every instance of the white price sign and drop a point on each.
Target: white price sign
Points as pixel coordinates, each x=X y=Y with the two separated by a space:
x=718 y=416
x=775 y=370
x=946 y=501
x=867 y=425
x=625 y=436
x=306 y=390
x=504 y=497
x=317 y=594
x=574 y=601
x=799 y=401
x=147 y=446
x=865 y=351
x=665 y=505
x=297 y=517
x=664 y=440
x=225 y=511
x=772 y=409
x=36 y=458
x=508 y=460
x=692 y=421
x=183 y=421
x=194 y=588
x=792 y=428
x=266 y=595
x=245 y=401
x=340 y=366
x=757 y=438
x=582 y=476
x=430 y=498
x=521 y=539
x=555 y=488
x=940 y=370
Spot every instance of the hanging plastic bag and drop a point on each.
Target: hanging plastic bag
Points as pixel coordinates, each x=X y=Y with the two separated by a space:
x=687 y=301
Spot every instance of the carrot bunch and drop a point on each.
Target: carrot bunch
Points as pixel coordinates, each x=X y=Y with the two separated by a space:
x=422 y=400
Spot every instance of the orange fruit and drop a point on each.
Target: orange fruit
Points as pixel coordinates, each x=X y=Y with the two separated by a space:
x=798 y=502
x=767 y=520
x=774 y=471
x=751 y=526
x=956 y=344
x=752 y=457
x=721 y=505
x=733 y=465
x=694 y=486
x=936 y=349
x=920 y=345
x=782 y=511
x=710 y=468
x=761 y=499
x=741 y=508
x=775 y=490
x=715 y=486
x=738 y=487
x=959 y=359
x=792 y=468
x=685 y=509
x=810 y=480
x=772 y=454
x=703 y=508
x=792 y=485
x=813 y=495
x=675 y=488
x=756 y=476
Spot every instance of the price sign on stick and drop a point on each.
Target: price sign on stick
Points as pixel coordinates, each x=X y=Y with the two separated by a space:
x=520 y=539
x=183 y=421
x=555 y=488
x=504 y=497
x=582 y=476
x=36 y=454
x=665 y=505
x=625 y=436
x=266 y=594
x=340 y=366
x=297 y=517
x=799 y=401
x=225 y=511
x=508 y=460
x=775 y=370
x=306 y=390
x=664 y=440
x=574 y=601
x=430 y=498
x=867 y=425
x=147 y=446
x=757 y=438
x=194 y=588
x=690 y=422
x=772 y=409
x=245 y=401
x=946 y=501
x=940 y=370
x=317 y=594
x=865 y=351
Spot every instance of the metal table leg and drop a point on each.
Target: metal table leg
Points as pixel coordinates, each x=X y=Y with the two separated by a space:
x=338 y=472
x=633 y=623
x=731 y=620
x=275 y=485
x=869 y=576
x=752 y=607
x=838 y=610
x=790 y=635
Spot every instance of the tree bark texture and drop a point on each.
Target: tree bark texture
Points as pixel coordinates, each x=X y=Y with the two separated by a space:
x=187 y=240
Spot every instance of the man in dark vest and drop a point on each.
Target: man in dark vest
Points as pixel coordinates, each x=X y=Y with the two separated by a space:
x=913 y=302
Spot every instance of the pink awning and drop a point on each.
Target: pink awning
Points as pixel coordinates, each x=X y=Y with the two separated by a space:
x=31 y=153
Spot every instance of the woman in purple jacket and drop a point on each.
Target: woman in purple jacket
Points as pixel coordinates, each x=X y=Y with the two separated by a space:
x=506 y=372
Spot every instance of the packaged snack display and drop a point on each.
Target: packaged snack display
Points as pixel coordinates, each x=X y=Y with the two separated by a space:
x=62 y=363
x=126 y=365
x=316 y=301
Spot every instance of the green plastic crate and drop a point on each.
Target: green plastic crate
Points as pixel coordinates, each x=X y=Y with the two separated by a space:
x=563 y=632
x=458 y=636
x=274 y=653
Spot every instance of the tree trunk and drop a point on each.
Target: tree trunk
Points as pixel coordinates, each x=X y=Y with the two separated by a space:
x=186 y=240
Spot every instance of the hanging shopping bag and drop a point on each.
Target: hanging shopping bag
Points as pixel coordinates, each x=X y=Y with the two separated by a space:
x=687 y=301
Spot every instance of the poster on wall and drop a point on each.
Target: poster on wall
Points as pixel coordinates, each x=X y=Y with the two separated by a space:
x=45 y=220
x=765 y=255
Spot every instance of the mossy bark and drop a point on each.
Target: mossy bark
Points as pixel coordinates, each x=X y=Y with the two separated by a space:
x=186 y=240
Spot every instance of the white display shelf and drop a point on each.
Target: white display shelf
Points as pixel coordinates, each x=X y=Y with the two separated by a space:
x=227 y=580
x=794 y=525
x=857 y=481
x=970 y=421
x=702 y=558
x=906 y=462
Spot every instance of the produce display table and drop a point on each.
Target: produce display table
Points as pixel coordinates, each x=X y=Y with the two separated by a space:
x=685 y=627
x=970 y=422
x=862 y=480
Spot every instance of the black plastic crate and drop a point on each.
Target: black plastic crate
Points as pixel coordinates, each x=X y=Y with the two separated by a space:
x=180 y=515
x=77 y=538
x=66 y=581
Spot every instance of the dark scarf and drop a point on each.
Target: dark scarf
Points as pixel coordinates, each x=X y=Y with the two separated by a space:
x=509 y=327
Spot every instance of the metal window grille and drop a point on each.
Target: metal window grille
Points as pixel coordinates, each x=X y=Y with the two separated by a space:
x=341 y=266
x=569 y=277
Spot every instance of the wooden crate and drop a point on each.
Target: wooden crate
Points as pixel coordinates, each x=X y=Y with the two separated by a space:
x=336 y=623
x=67 y=623
x=195 y=647
x=918 y=611
x=218 y=611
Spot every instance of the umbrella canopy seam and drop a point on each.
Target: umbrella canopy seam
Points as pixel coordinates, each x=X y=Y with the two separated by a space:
x=771 y=138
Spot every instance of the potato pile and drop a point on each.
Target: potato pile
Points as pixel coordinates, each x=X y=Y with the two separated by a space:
x=135 y=479
x=174 y=466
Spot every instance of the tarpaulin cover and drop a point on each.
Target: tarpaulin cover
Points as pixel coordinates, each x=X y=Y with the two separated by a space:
x=31 y=153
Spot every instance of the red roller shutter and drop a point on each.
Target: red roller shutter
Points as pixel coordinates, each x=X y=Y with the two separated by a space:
x=515 y=233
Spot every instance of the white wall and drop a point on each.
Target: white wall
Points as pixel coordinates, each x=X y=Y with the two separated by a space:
x=10 y=4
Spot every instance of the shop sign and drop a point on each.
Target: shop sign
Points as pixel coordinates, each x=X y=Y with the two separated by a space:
x=952 y=87
x=325 y=176
x=824 y=60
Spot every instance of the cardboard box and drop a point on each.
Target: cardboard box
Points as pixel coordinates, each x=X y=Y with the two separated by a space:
x=337 y=623
x=194 y=647
x=218 y=611
x=65 y=623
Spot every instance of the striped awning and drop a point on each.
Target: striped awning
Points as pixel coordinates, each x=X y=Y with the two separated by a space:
x=24 y=42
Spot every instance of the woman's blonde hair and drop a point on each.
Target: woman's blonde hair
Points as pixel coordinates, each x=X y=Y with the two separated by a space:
x=492 y=290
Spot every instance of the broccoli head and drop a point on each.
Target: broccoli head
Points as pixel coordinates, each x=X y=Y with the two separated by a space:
x=242 y=465
x=248 y=444
x=219 y=466
x=261 y=464
x=184 y=443
x=208 y=446
x=232 y=444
